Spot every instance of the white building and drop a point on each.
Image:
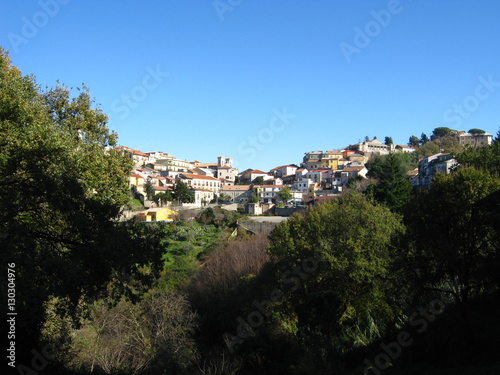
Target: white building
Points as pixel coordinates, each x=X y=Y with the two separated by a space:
x=475 y=140
x=195 y=181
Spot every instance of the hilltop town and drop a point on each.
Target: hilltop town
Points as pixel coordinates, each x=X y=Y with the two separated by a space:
x=321 y=176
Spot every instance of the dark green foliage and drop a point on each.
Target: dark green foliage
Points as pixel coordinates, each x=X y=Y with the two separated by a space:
x=485 y=158
x=61 y=187
x=149 y=188
x=182 y=193
x=448 y=143
x=163 y=197
x=424 y=139
x=342 y=254
x=258 y=181
x=413 y=141
x=440 y=132
x=456 y=242
x=285 y=194
x=388 y=141
x=476 y=131
x=393 y=187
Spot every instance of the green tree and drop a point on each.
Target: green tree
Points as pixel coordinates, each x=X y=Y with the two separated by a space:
x=393 y=187
x=182 y=193
x=337 y=266
x=255 y=196
x=163 y=197
x=388 y=141
x=448 y=143
x=413 y=141
x=61 y=186
x=483 y=158
x=224 y=197
x=476 y=131
x=259 y=180
x=440 y=132
x=149 y=189
x=424 y=139
x=455 y=230
x=285 y=194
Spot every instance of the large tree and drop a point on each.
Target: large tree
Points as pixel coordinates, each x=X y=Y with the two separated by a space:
x=182 y=193
x=61 y=186
x=455 y=230
x=413 y=141
x=392 y=187
x=440 y=132
x=338 y=260
x=285 y=194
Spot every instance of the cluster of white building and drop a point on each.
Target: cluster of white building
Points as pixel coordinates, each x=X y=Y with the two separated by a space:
x=322 y=175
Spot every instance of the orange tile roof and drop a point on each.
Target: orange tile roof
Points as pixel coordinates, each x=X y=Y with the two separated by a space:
x=140 y=153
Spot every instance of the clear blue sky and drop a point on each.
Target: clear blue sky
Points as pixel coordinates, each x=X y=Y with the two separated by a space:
x=265 y=81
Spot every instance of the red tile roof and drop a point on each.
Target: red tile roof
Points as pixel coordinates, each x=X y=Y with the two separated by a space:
x=140 y=153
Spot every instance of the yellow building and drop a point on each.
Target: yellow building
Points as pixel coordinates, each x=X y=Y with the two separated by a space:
x=157 y=214
x=330 y=159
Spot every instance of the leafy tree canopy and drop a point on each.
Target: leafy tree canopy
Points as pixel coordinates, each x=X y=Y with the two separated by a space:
x=439 y=132
x=285 y=194
x=182 y=192
x=347 y=247
x=259 y=180
x=393 y=187
x=61 y=186
x=424 y=139
x=413 y=141
x=455 y=228
x=476 y=131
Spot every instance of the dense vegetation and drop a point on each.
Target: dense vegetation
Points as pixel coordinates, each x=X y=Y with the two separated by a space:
x=384 y=280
